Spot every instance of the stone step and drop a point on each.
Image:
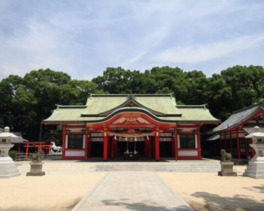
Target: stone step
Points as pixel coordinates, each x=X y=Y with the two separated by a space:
x=53 y=167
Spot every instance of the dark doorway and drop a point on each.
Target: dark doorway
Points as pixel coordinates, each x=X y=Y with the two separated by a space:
x=138 y=146
x=97 y=149
x=165 y=149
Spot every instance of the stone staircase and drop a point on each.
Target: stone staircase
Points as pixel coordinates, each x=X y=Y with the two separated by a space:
x=83 y=167
x=179 y=166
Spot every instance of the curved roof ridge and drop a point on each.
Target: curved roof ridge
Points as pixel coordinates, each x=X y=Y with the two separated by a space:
x=133 y=109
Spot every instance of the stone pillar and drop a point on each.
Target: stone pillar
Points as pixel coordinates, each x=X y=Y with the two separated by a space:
x=36 y=169
x=255 y=168
x=36 y=164
x=227 y=169
x=226 y=164
x=7 y=165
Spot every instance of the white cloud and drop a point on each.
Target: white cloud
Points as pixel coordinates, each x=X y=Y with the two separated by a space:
x=36 y=48
x=206 y=52
x=83 y=38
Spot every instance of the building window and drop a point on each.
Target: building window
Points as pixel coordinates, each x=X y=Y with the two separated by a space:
x=75 y=141
x=187 y=141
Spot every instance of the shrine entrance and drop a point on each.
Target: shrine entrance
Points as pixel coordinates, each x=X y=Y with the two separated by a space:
x=127 y=148
x=131 y=148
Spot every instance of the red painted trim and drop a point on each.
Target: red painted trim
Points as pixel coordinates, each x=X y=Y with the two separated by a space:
x=105 y=147
x=157 y=146
x=129 y=115
x=238 y=143
x=199 y=143
x=177 y=147
x=86 y=145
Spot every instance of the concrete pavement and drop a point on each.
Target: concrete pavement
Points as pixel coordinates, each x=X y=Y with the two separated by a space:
x=130 y=190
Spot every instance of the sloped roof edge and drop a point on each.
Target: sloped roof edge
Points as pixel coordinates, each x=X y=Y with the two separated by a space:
x=238 y=117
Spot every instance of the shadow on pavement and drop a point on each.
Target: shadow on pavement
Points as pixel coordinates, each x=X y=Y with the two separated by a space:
x=144 y=206
x=215 y=202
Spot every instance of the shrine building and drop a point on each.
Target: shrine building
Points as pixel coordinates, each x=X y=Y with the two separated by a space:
x=234 y=130
x=131 y=126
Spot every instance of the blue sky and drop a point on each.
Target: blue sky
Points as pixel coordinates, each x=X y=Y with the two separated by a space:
x=84 y=37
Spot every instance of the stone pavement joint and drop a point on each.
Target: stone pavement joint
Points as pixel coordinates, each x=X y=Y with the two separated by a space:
x=132 y=191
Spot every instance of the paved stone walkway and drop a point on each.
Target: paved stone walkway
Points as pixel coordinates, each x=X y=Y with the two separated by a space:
x=138 y=191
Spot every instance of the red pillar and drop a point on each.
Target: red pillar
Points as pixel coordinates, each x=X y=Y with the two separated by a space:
x=238 y=144
x=63 y=142
x=173 y=146
x=26 y=151
x=86 y=144
x=231 y=146
x=153 y=146
x=105 y=146
x=199 y=143
x=147 y=147
x=176 y=144
x=157 y=146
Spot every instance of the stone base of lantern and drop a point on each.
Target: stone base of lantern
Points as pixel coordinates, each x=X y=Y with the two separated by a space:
x=8 y=168
x=255 y=168
x=36 y=169
x=227 y=169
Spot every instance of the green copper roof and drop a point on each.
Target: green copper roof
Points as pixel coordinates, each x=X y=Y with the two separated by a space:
x=162 y=104
x=99 y=107
x=101 y=103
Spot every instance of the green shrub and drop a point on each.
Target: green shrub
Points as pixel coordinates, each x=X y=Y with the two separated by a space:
x=12 y=154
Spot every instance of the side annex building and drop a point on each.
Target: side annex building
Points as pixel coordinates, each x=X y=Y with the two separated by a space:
x=233 y=131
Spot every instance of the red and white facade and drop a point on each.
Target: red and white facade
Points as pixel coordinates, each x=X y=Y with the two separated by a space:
x=128 y=131
x=234 y=130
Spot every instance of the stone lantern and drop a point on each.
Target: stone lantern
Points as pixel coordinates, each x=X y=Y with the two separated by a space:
x=7 y=165
x=255 y=168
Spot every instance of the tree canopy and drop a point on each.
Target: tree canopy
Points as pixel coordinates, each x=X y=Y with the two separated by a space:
x=26 y=101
